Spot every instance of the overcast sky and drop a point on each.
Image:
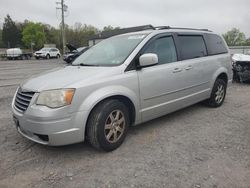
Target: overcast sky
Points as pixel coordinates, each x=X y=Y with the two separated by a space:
x=217 y=15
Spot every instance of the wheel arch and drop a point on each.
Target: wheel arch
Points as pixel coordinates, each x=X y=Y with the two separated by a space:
x=121 y=93
x=223 y=76
x=220 y=73
x=125 y=100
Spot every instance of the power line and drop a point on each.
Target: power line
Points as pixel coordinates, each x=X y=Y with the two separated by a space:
x=63 y=7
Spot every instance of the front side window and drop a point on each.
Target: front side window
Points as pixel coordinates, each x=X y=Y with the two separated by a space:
x=164 y=47
x=192 y=46
x=110 y=52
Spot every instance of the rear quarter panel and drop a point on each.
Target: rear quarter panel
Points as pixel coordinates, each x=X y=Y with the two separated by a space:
x=222 y=64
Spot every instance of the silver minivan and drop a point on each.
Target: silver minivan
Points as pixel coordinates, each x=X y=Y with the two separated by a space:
x=120 y=82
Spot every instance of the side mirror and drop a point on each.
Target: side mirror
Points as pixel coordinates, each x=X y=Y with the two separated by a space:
x=148 y=59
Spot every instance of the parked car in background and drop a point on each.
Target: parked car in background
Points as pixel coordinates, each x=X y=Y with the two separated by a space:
x=123 y=81
x=17 y=53
x=241 y=67
x=47 y=53
x=73 y=53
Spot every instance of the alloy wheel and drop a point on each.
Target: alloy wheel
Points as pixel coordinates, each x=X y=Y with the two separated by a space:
x=219 y=94
x=114 y=126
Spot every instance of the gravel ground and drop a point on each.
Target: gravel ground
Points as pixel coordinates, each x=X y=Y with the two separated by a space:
x=194 y=147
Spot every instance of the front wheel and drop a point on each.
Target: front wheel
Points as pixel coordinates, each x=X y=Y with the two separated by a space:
x=47 y=56
x=57 y=56
x=218 y=94
x=107 y=125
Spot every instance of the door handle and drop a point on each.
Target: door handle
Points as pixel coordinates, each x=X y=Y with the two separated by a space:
x=188 y=67
x=177 y=70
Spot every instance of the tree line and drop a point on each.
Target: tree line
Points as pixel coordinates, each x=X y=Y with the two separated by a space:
x=235 y=37
x=29 y=34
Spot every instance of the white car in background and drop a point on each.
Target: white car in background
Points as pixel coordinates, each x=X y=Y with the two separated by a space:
x=47 y=53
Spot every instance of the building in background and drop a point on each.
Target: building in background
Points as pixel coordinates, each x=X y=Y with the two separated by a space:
x=239 y=50
x=49 y=45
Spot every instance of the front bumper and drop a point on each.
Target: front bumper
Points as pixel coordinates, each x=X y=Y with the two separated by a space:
x=50 y=126
x=40 y=55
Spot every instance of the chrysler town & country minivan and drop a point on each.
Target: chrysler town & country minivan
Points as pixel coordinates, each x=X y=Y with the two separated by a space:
x=123 y=81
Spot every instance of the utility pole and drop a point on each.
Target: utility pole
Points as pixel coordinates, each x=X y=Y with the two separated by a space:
x=63 y=8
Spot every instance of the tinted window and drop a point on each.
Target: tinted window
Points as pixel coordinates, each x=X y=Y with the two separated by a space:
x=165 y=49
x=192 y=46
x=216 y=44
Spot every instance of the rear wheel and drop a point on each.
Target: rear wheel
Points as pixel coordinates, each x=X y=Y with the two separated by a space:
x=107 y=125
x=47 y=56
x=57 y=56
x=218 y=93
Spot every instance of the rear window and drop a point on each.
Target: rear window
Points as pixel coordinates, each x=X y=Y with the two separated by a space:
x=192 y=46
x=216 y=44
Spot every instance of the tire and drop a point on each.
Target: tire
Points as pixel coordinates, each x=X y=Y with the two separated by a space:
x=57 y=56
x=47 y=56
x=103 y=124
x=218 y=94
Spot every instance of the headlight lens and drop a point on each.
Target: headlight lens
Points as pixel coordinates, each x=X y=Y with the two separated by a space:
x=55 y=98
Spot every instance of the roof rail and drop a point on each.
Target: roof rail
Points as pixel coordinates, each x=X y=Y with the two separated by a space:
x=168 y=27
x=162 y=27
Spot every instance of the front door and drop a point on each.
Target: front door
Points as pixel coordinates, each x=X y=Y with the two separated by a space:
x=167 y=86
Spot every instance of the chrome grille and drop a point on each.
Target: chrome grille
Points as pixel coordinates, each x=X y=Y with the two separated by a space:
x=23 y=99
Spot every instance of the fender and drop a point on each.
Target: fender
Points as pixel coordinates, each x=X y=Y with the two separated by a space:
x=100 y=94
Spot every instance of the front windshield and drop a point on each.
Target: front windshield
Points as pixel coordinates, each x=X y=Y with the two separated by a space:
x=110 y=52
x=44 y=49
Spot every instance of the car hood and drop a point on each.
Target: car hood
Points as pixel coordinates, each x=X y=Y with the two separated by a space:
x=241 y=57
x=70 y=47
x=65 y=77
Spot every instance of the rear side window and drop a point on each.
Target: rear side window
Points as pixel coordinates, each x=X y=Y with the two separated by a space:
x=164 y=47
x=216 y=45
x=192 y=46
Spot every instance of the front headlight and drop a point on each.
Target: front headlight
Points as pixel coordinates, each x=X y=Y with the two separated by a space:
x=55 y=98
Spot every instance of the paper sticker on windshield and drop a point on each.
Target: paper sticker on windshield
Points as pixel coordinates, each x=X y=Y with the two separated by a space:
x=136 y=37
